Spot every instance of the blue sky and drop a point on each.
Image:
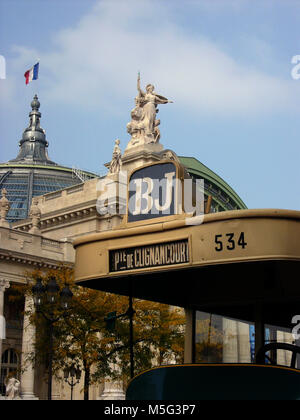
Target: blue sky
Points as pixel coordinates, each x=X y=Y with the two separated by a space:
x=226 y=64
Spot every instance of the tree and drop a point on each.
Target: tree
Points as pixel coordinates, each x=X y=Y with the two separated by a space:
x=81 y=336
x=209 y=342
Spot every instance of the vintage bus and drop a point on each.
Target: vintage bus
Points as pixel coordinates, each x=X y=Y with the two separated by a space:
x=236 y=265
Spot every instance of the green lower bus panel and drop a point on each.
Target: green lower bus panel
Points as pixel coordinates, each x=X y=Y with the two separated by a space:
x=216 y=382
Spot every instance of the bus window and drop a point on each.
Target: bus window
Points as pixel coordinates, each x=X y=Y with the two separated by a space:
x=281 y=357
x=223 y=340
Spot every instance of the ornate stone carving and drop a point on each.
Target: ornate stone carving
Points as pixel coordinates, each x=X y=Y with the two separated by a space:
x=4 y=284
x=12 y=389
x=35 y=215
x=143 y=126
x=116 y=162
x=170 y=155
x=4 y=208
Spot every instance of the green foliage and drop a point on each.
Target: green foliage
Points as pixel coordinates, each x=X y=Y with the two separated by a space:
x=209 y=343
x=80 y=336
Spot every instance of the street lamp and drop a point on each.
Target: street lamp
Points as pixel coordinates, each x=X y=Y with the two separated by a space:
x=110 y=321
x=73 y=373
x=38 y=291
x=50 y=293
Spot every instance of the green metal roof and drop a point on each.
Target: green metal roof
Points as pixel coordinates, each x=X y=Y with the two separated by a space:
x=194 y=166
x=23 y=181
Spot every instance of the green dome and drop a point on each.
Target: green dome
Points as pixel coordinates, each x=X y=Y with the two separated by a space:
x=32 y=173
x=223 y=196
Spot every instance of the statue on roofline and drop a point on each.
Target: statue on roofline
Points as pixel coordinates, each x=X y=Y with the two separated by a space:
x=116 y=162
x=144 y=125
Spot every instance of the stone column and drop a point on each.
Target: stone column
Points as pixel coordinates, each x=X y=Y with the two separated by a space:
x=243 y=342
x=236 y=345
x=230 y=344
x=284 y=357
x=27 y=377
x=113 y=391
x=4 y=284
x=55 y=390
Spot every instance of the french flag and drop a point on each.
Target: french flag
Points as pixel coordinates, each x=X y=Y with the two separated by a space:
x=32 y=74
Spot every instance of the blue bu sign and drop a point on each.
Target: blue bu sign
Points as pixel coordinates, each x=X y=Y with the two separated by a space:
x=152 y=192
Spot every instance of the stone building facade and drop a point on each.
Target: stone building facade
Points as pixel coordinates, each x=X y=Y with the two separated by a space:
x=44 y=238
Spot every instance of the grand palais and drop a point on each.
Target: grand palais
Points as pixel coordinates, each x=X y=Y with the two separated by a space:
x=45 y=207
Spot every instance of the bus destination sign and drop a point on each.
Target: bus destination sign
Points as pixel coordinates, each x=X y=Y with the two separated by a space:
x=147 y=256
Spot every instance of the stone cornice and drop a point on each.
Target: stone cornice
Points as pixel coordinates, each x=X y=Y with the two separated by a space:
x=31 y=260
x=88 y=205
x=55 y=218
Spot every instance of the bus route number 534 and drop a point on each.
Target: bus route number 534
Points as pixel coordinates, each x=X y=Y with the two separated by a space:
x=230 y=241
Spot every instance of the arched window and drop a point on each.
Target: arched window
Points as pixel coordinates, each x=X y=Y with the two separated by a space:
x=9 y=364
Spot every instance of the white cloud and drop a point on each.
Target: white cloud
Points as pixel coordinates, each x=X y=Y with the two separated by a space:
x=95 y=65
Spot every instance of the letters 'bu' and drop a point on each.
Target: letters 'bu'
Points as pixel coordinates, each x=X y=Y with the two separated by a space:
x=152 y=192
